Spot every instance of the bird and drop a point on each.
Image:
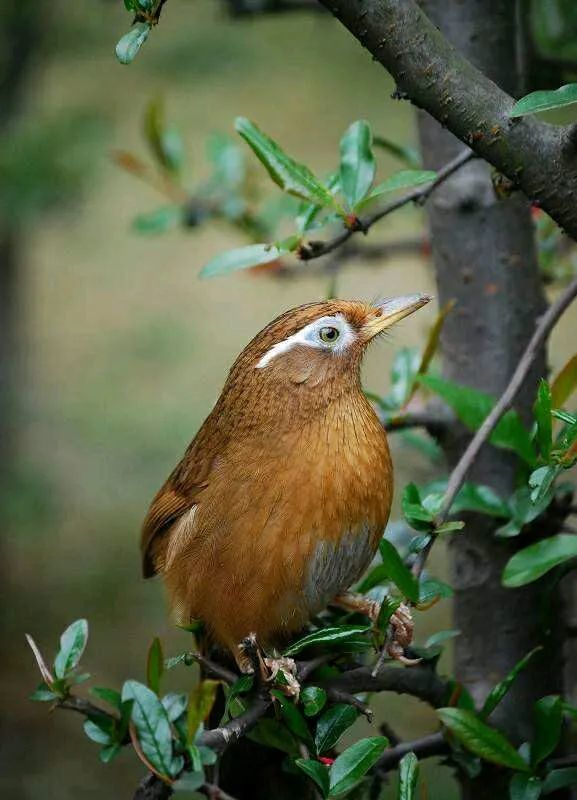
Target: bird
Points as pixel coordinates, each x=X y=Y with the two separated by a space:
x=279 y=502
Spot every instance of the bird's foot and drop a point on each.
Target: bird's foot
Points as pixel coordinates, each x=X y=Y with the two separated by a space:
x=249 y=656
x=400 y=635
x=283 y=672
x=280 y=671
x=352 y=601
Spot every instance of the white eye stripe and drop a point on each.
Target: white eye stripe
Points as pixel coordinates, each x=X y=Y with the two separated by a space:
x=308 y=336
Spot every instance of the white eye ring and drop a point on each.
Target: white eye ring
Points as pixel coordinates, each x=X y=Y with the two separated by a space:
x=310 y=336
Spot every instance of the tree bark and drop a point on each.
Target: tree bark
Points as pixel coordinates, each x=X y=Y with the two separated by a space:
x=485 y=257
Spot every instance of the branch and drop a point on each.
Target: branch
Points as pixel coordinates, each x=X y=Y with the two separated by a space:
x=315 y=249
x=366 y=254
x=505 y=402
x=538 y=158
x=419 y=682
x=220 y=738
x=434 y=744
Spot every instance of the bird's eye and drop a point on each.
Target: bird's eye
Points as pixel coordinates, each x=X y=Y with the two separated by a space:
x=329 y=335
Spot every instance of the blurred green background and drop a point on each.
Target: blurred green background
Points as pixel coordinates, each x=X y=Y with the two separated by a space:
x=124 y=350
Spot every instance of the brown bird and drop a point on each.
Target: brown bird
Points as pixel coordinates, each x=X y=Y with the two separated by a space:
x=280 y=500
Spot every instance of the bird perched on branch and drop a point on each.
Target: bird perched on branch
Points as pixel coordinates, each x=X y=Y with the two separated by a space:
x=280 y=501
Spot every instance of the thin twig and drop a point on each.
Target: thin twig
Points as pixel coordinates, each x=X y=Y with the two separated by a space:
x=434 y=744
x=339 y=696
x=214 y=670
x=505 y=402
x=85 y=707
x=315 y=249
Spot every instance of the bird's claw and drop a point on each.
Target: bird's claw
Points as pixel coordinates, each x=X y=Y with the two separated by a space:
x=285 y=669
x=401 y=628
x=280 y=671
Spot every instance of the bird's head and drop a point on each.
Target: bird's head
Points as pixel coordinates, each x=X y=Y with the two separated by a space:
x=314 y=351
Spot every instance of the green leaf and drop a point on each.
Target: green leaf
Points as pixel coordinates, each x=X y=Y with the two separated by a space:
x=189 y=781
x=418 y=517
x=127 y=48
x=293 y=718
x=548 y=714
x=313 y=699
x=228 y=160
x=564 y=383
x=336 y=635
x=72 y=644
x=523 y=510
x=542 y=411
x=357 y=170
x=332 y=724
x=560 y=779
x=404 y=179
x=429 y=589
x=434 y=644
x=401 y=575
x=532 y=562
x=409 y=155
x=109 y=752
x=200 y=703
x=386 y=611
x=152 y=726
x=163 y=140
x=294 y=178
x=242 y=258
x=408 y=777
x=480 y=739
x=110 y=696
x=403 y=373
x=525 y=787
x=472 y=407
x=450 y=527
x=43 y=694
x=158 y=221
x=175 y=704
x=154 y=665
x=272 y=733
x=541 y=482
x=499 y=691
x=570 y=419
x=352 y=765
x=317 y=772
x=96 y=733
x=545 y=100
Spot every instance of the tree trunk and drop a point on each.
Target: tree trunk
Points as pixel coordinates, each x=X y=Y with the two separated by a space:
x=485 y=257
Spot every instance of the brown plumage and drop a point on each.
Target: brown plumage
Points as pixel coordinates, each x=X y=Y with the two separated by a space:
x=280 y=500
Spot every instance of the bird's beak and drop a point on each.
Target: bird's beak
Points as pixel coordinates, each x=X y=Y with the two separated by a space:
x=391 y=311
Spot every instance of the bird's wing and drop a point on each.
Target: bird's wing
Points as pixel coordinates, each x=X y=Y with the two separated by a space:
x=165 y=509
x=177 y=498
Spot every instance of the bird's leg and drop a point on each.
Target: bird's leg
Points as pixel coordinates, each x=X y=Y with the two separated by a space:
x=400 y=626
x=251 y=659
x=352 y=601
